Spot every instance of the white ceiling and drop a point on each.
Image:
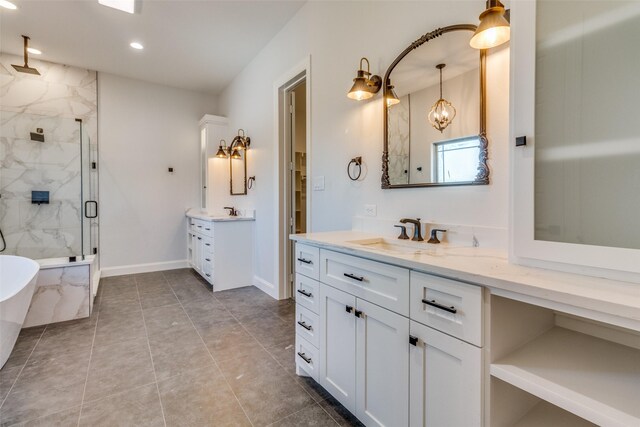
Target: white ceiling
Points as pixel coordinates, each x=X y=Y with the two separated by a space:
x=196 y=45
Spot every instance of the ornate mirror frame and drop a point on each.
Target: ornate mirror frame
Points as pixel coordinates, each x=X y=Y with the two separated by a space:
x=482 y=177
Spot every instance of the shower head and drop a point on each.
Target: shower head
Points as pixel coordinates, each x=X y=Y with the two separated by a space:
x=25 y=68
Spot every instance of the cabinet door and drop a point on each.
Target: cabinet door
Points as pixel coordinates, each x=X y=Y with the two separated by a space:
x=445 y=384
x=382 y=378
x=338 y=345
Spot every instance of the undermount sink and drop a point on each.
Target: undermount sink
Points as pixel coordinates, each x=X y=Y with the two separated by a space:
x=392 y=245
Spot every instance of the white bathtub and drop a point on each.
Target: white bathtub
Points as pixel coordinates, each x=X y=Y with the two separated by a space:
x=17 y=281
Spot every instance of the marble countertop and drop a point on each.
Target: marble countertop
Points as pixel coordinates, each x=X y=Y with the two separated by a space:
x=217 y=218
x=490 y=268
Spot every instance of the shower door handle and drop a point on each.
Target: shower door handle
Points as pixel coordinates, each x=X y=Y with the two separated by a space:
x=86 y=210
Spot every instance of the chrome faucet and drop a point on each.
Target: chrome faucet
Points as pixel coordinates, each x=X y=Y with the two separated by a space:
x=417 y=228
x=232 y=211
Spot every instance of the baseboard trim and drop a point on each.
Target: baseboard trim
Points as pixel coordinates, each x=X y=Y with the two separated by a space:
x=265 y=286
x=143 y=268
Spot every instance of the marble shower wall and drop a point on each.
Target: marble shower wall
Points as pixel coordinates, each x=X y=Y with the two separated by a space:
x=53 y=102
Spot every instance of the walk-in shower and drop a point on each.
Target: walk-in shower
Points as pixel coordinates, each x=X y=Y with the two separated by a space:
x=48 y=204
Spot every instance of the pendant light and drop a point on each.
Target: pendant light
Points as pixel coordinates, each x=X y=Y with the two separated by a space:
x=493 y=29
x=391 y=96
x=443 y=112
x=222 y=149
x=364 y=85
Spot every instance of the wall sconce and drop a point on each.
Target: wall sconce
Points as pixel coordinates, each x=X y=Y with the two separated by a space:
x=390 y=96
x=442 y=112
x=241 y=142
x=222 y=149
x=365 y=85
x=494 y=28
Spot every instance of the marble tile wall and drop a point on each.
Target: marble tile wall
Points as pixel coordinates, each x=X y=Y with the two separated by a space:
x=53 y=102
x=61 y=294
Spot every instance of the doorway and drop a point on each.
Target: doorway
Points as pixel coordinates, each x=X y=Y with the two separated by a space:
x=295 y=165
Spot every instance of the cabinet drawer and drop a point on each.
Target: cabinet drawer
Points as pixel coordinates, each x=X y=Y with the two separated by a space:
x=307 y=261
x=207 y=271
x=207 y=245
x=307 y=324
x=307 y=357
x=446 y=305
x=207 y=228
x=307 y=293
x=382 y=284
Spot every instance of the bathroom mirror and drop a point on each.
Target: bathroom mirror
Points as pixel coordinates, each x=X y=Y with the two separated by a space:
x=238 y=173
x=434 y=115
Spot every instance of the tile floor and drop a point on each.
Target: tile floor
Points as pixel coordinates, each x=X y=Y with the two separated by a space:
x=161 y=349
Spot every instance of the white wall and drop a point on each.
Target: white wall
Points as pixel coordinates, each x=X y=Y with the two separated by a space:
x=144 y=129
x=336 y=35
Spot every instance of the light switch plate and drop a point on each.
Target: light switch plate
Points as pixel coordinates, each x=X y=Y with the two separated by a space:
x=370 y=210
x=318 y=183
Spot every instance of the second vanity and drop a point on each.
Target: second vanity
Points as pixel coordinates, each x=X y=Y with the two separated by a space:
x=416 y=334
x=221 y=248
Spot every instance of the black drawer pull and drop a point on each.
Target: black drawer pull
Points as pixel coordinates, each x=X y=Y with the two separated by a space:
x=433 y=303
x=349 y=309
x=304 y=325
x=413 y=340
x=306 y=294
x=207 y=274
x=207 y=259
x=206 y=244
x=199 y=238
x=354 y=277
x=305 y=358
x=358 y=314
x=208 y=229
x=306 y=261
x=199 y=226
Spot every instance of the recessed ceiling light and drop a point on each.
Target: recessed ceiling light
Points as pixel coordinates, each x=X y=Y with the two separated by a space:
x=34 y=51
x=128 y=6
x=8 y=5
x=136 y=45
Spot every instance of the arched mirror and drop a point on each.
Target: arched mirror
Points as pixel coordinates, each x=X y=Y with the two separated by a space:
x=434 y=115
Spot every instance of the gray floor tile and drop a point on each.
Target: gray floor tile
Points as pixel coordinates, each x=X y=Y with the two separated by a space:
x=270 y=331
x=152 y=300
x=269 y=396
x=119 y=367
x=228 y=340
x=117 y=327
x=210 y=402
x=177 y=353
x=65 y=418
x=339 y=413
x=137 y=407
x=285 y=355
x=167 y=319
x=7 y=377
x=154 y=276
x=114 y=305
x=191 y=291
x=315 y=390
x=312 y=415
x=24 y=346
x=158 y=287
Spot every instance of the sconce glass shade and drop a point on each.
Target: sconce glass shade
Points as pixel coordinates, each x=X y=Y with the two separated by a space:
x=441 y=114
x=494 y=29
x=222 y=149
x=392 y=97
x=235 y=154
x=238 y=143
x=360 y=90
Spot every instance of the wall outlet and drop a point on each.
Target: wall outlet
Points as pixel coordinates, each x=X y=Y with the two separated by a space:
x=370 y=210
x=318 y=183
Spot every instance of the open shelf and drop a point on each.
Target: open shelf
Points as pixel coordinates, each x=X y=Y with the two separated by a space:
x=595 y=379
x=545 y=414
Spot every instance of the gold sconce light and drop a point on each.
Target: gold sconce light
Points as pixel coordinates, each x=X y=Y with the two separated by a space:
x=222 y=149
x=391 y=97
x=365 y=85
x=494 y=28
x=240 y=142
x=443 y=112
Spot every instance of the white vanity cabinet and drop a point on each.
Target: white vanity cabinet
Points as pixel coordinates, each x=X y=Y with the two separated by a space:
x=385 y=368
x=221 y=250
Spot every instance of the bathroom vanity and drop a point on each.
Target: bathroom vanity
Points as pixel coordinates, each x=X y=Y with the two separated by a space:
x=221 y=248
x=406 y=333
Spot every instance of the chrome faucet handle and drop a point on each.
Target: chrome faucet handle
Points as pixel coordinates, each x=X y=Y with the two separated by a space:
x=403 y=232
x=434 y=235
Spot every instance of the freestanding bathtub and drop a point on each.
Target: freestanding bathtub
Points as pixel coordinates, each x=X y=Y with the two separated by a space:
x=17 y=281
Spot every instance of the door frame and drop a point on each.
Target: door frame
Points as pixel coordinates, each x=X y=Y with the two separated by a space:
x=283 y=249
